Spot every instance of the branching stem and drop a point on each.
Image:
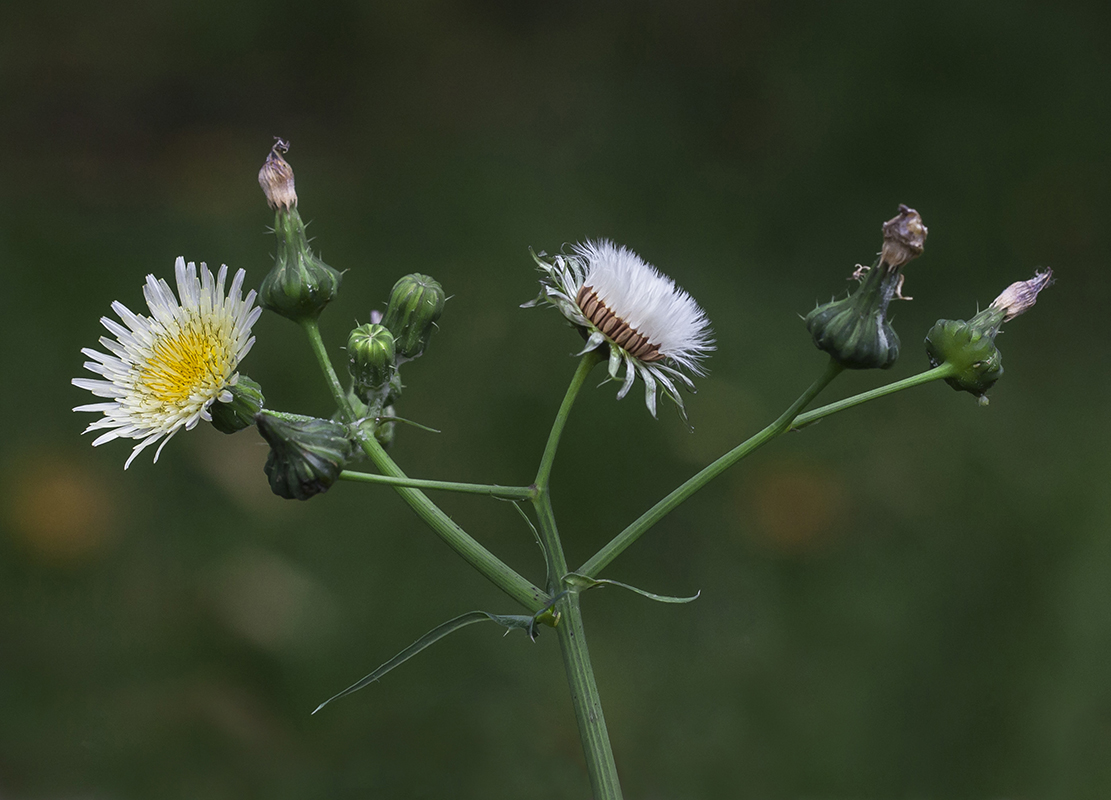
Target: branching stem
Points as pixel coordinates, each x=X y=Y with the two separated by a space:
x=493 y=568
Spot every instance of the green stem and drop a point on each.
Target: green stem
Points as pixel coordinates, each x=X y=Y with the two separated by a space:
x=601 y=767
x=586 y=363
x=937 y=373
x=493 y=568
x=585 y=699
x=316 y=341
x=506 y=492
x=665 y=506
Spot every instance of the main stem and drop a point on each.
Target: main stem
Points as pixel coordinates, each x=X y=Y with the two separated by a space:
x=585 y=699
x=493 y=568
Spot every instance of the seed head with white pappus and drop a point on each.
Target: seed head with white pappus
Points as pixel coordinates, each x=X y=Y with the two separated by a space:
x=162 y=373
x=650 y=326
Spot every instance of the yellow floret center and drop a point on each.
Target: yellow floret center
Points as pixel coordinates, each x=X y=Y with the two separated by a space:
x=194 y=359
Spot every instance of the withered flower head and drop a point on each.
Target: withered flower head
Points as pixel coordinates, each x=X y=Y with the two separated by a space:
x=904 y=237
x=276 y=177
x=1021 y=295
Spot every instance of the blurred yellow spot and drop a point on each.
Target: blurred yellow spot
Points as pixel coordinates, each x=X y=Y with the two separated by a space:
x=795 y=508
x=56 y=508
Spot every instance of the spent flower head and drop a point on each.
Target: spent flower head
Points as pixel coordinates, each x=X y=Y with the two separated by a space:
x=162 y=373
x=276 y=177
x=855 y=330
x=617 y=300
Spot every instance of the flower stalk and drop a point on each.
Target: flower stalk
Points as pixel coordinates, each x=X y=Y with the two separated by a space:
x=941 y=372
x=585 y=697
x=504 y=492
x=683 y=492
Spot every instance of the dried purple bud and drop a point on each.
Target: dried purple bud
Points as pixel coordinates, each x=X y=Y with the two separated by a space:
x=1020 y=296
x=276 y=178
x=904 y=238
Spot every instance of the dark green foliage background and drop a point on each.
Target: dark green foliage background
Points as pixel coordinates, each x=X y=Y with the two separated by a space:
x=910 y=600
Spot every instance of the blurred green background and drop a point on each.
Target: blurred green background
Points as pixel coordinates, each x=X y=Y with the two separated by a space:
x=910 y=600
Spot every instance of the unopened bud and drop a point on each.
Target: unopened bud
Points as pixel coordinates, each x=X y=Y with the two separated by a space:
x=276 y=177
x=238 y=412
x=306 y=454
x=855 y=330
x=416 y=302
x=372 y=359
x=969 y=347
x=385 y=430
x=300 y=284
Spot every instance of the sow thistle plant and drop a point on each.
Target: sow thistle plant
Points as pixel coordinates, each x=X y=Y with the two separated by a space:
x=179 y=365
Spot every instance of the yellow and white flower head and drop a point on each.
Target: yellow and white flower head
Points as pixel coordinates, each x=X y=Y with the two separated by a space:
x=651 y=326
x=163 y=372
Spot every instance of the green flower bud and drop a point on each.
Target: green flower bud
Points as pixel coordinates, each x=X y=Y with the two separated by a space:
x=238 y=412
x=372 y=359
x=855 y=330
x=969 y=347
x=306 y=454
x=300 y=284
x=379 y=425
x=384 y=432
x=416 y=302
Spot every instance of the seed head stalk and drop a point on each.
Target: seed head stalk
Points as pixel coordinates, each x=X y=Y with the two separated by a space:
x=585 y=698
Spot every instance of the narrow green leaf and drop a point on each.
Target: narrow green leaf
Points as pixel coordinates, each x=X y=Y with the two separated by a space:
x=536 y=536
x=403 y=421
x=508 y=621
x=580 y=583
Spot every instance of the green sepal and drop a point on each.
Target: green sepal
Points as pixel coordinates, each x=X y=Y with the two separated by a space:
x=855 y=330
x=580 y=583
x=239 y=413
x=300 y=284
x=510 y=622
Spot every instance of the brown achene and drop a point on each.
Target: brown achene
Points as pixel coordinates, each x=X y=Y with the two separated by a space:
x=616 y=329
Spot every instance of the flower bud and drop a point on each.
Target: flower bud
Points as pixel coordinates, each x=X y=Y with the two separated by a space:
x=239 y=412
x=385 y=431
x=306 y=454
x=372 y=359
x=969 y=346
x=416 y=302
x=855 y=330
x=300 y=284
x=970 y=349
